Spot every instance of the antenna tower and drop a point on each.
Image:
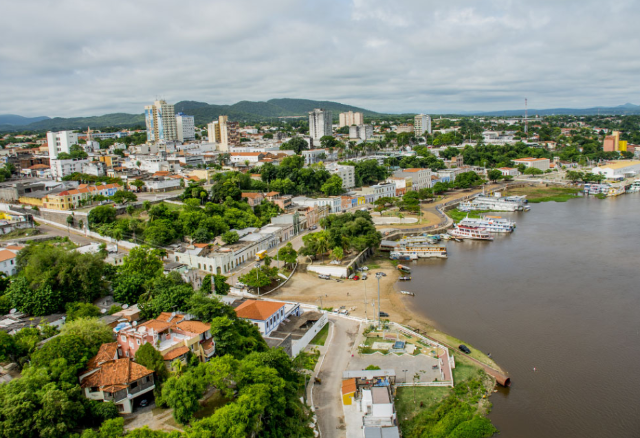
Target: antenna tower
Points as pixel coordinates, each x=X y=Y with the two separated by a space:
x=525 y=116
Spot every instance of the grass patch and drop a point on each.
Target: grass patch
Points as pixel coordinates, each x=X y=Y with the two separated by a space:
x=458 y=215
x=211 y=404
x=321 y=337
x=21 y=232
x=545 y=194
x=425 y=397
x=464 y=372
x=307 y=360
x=374 y=267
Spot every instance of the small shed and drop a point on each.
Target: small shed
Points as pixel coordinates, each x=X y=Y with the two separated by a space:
x=348 y=391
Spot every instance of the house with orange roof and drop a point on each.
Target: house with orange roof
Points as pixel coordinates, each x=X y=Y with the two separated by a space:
x=172 y=334
x=253 y=199
x=121 y=381
x=266 y=315
x=8 y=262
x=69 y=199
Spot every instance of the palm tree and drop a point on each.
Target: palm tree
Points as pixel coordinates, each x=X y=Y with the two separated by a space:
x=323 y=246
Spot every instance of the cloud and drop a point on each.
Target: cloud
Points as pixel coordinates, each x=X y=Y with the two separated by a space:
x=72 y=57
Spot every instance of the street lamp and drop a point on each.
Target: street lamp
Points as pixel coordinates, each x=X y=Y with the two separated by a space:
x=258 y=276
x=379 y=276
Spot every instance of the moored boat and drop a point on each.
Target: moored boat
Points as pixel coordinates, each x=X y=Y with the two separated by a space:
x=406 y=292
x=470 y=232
x=404 y=268
x=493 y=224
x=404 y=278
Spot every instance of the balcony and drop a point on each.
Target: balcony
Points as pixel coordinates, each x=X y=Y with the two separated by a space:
x=141 y=387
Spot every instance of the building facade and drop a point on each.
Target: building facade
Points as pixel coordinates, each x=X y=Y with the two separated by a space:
x=160 y=119
x=62 y=168
x=186 y=127
x=421 y=124
x=363 y=132
x=60 y=142
x=420 y=178
x=347 y=173
x=320 y=124
x=350 y=118
x=538 y=163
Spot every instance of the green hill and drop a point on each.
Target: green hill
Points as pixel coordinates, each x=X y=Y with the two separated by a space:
x=244 y=111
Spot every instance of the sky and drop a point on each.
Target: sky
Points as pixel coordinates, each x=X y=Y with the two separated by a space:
x=82 y=57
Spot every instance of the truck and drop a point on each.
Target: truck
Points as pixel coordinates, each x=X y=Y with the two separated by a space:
x=260 y=255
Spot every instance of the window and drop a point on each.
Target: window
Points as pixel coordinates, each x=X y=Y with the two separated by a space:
x=138 y=341
x=133 y=385
x=123 y=338
x=94 y=389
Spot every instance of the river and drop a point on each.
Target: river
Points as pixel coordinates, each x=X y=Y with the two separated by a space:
x=560 y=294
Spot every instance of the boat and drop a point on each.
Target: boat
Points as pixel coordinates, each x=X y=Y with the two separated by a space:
x=396 y=255
x=615 y=191
x=493 y=224
x=404 y=268
x=406 y=292
x=404 y=278
x=635 y=187
x=419 y=251
x=470 y=232
x=445 y=236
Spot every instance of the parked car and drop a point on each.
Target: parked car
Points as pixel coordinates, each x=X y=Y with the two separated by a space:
x=464 y=349
x=144 y=403
x=383 y=274
x=384 y=315
x=365 y=268
x=356 y=278
x=240 y=285
x=312 y=228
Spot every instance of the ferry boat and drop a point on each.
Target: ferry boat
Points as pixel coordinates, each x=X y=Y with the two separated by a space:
x=419 y=251
x=615 y=191
x=470 y=232
x=512 y=203
x=635 y=187
x=493 y=224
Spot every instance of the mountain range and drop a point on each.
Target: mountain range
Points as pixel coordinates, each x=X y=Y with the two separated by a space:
x=203 y=113
x=259 y=112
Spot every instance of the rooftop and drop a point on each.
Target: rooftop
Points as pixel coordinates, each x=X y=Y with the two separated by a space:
x=258 y=310
x=5 y=255
x=116 y=374
x=620 y=164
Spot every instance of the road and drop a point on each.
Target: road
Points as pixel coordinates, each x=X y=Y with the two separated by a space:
x=335 y=357
x=74 y=235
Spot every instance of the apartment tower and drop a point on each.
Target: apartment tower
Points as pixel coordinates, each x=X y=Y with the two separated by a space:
x=224 y=132
x=161 y=122
x=350 y=118
x=186 y=127
x=421 y=124
x=320 y=122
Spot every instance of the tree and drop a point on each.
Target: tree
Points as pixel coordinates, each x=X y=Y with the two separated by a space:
x=206 y=309
x=127 y=288
x=533 y=171
x=130 y=210
x=494 y=175
x=90 y=331
x=288 y=255
x=144 y=261
x=151 y=358
x=70 y=220
x=102 y=214
x=146 y=205
x=182 y=394
x=220 y=284
x=81 y=310
x=333 y=186
x=122 y=196
x=230 y=237
x=138 y=184
x=337 y=253
x=574 y=175
x=296 y=144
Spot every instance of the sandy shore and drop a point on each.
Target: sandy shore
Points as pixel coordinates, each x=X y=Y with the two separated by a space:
x=308 y=288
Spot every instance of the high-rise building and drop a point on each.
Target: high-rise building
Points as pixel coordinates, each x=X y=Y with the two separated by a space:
x=421 y=124
x=612 y=142
x=350 y=118
x=224 y=132
x=60 y=142
x=161 y=122
x=320 y=122
x=186 y=127
x=363 y=132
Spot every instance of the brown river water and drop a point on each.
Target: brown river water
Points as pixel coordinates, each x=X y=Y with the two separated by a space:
x=560 y=294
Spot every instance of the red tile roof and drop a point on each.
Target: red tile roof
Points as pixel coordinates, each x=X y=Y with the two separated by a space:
x=258 y=310
x=175 y=353
x=106 y=353
x=116 y=374
x=196 y=327
x=5 y=255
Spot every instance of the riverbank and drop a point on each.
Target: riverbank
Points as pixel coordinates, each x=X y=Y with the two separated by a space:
x=307 y=288
x=536 y=194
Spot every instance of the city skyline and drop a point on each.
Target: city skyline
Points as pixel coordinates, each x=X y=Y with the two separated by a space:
x=440 y=58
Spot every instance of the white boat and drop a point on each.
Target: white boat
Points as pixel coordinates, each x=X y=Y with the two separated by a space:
x=414 y=252
x=635 y=187
x=615 y=191
x=469 y=232
x=493 y=203
x=406 y=292
x=493 y=224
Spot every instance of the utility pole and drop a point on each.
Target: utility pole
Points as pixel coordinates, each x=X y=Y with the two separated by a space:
x=258 y=276
x=365 y=301
x=379 y=276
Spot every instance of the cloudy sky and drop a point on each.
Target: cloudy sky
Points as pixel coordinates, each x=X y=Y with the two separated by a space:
x=84 y=57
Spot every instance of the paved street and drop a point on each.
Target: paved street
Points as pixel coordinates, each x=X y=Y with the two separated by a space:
x=335 y=356
x=74 y=235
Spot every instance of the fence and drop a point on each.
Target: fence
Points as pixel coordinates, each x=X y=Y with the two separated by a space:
x=283 y=283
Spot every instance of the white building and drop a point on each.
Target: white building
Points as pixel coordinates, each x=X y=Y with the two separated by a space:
x=619 y=168
x=242 y=157
x=62 y=168
x=7 y=262
x=420 y=178
x=60 y=142
x=312 y=156
x=538 y=163
x=320 y=124
x=363 y=132
x=334 y=202
x=508 y=171
x=95 y=168
x=350 y=118
x=160 y=119
x=347 y=173
x=266 y=315
x=421 y=124
x=186 y=127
